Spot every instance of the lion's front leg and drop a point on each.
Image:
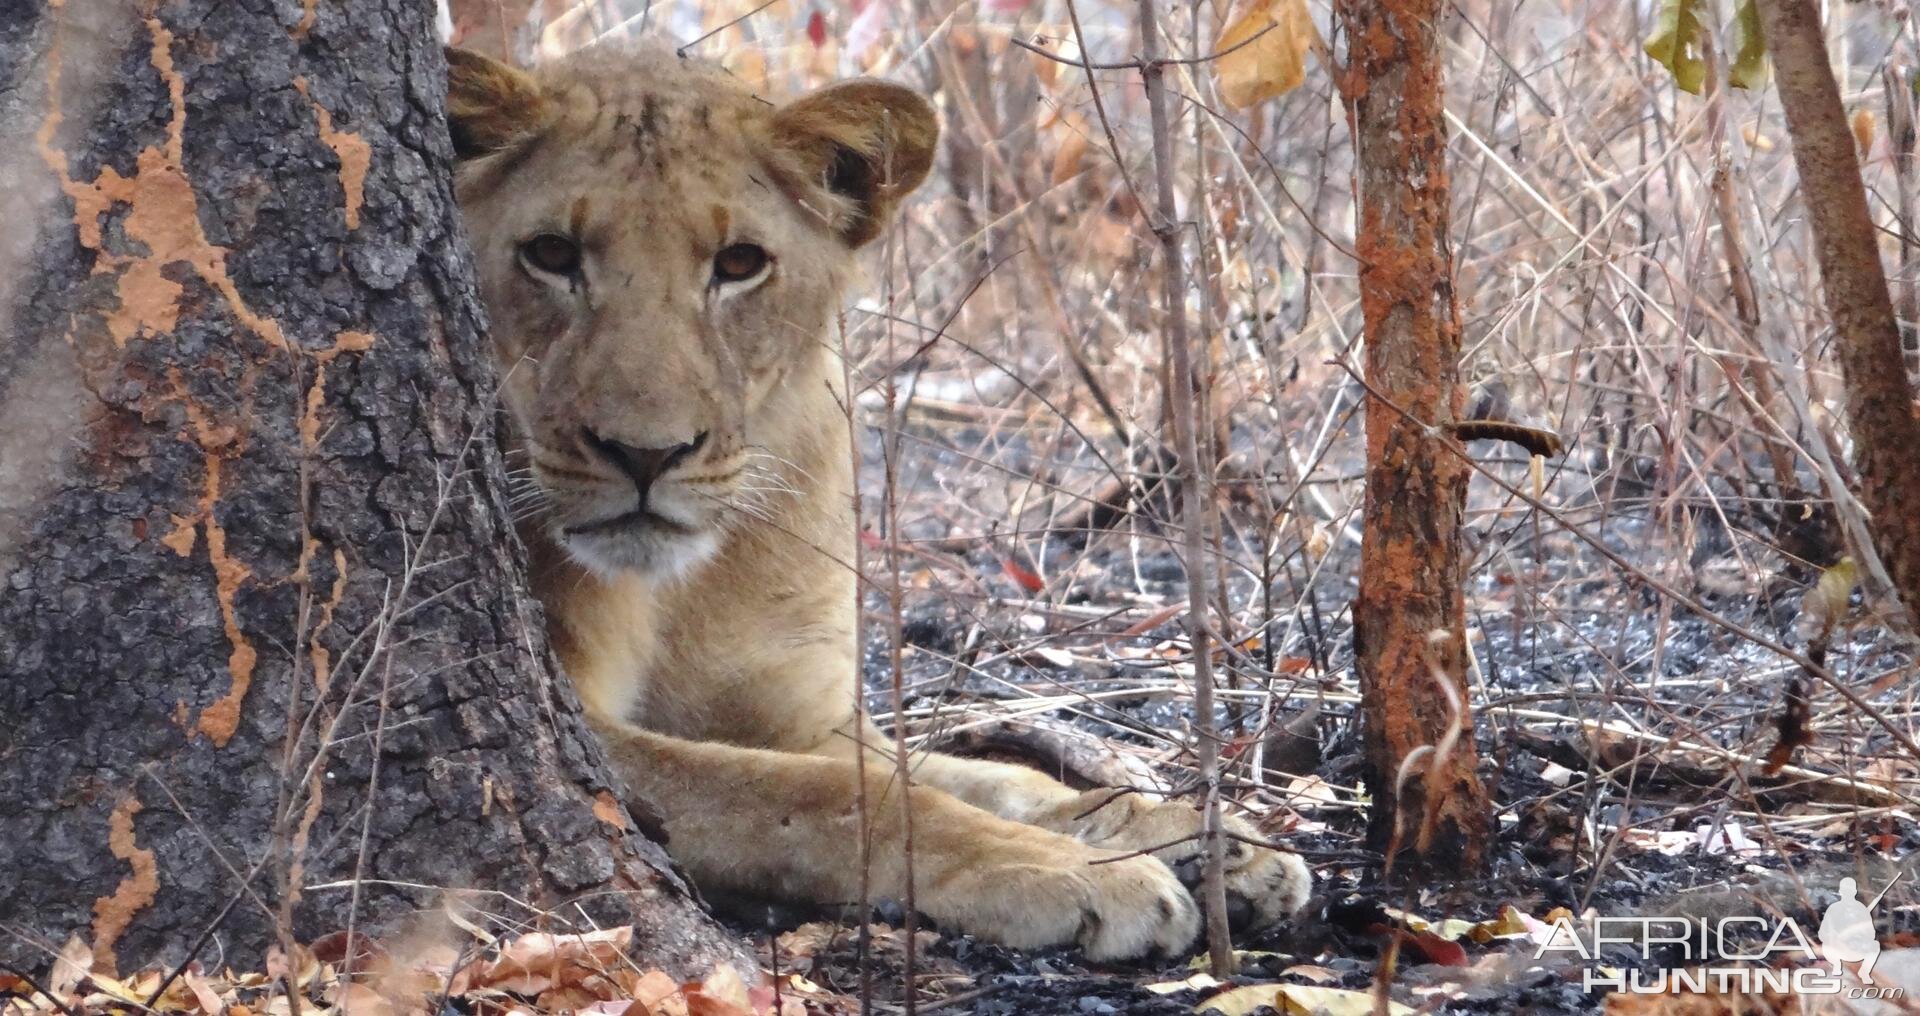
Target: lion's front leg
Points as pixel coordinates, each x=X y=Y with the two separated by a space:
x=1263 y=885
x=781 y=824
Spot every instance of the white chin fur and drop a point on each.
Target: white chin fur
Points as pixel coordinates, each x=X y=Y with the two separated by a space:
x=659 y=556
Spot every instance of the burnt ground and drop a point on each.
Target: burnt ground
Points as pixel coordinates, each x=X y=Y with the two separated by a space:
x=1622 y=731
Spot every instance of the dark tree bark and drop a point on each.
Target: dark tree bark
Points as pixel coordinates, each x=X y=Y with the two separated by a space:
x=1409 y=619
x=265 y=626
x=1880 y=401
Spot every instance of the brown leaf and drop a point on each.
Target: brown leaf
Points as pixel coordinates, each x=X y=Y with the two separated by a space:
x=699 y=1003
x=1265 y=52
x=1434 y=948
x=619 y=1007
x=360 y=1000
x=726 y=986
x=1068 y=156
x=654 y=986
x=537 y=962
x=1862 y=124
x=203 y=993
x=335 y=948
x=576 y=996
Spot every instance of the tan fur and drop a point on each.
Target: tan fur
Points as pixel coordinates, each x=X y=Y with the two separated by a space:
x=714 y=650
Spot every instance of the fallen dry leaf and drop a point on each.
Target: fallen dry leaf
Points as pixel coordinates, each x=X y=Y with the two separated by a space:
x=539 y=961
x=725 y=985
x=1198 y=982
x=70 y=966
x=1265 y=52
x=360 y=1000
x=203 y=993
x=1306 y=1000
x=654 y=986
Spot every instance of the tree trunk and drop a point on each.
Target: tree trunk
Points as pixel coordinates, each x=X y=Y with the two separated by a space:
x=1409 y=619
x=1880 y=401
x=265 y=627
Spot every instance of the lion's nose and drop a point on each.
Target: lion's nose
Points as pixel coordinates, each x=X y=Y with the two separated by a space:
x=644 y=466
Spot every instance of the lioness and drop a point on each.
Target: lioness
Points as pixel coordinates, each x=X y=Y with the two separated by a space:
x=662 y=254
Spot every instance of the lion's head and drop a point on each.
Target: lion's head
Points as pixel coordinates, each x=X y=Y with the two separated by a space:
x=661 y=253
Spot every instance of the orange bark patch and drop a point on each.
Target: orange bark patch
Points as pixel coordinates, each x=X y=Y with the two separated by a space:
x=607 y=809
x=353 y=151
x=182 y=539
x=162 y=213
x=345 y=342
x=322 y=658
x=219 y=720
x=112 y=914
x=309 y=13
x=296 y=872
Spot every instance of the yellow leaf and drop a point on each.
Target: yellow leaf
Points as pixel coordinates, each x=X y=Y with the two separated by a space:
x=1240 y=1001
x=1305 y=1000
x=113 y=988
x=1198 y=982
x=1265 y=52
x=1826 y=603
x=1241 y=957
x=1509 y=923
x=1413 y=921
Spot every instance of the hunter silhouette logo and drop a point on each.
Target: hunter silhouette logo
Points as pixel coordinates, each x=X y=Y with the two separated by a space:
x=1846 y=930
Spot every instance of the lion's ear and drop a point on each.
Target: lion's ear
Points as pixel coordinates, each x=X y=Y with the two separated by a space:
x=867 y=143
x=490 y=105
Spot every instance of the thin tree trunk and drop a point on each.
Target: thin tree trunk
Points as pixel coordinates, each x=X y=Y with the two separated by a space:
x=1880 y=401
x=1184 y=408
x=265 y=627
x=1409 y=618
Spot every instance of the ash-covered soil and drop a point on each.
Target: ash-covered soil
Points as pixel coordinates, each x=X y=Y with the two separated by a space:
x=1623 y=731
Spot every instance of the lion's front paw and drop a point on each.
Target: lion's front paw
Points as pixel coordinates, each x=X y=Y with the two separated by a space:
x=1135 y=905
x=1113 y=906
x=1264 y=885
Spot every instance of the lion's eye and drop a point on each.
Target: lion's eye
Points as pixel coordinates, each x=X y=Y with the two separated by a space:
x=739 y=262
x=552 y=253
